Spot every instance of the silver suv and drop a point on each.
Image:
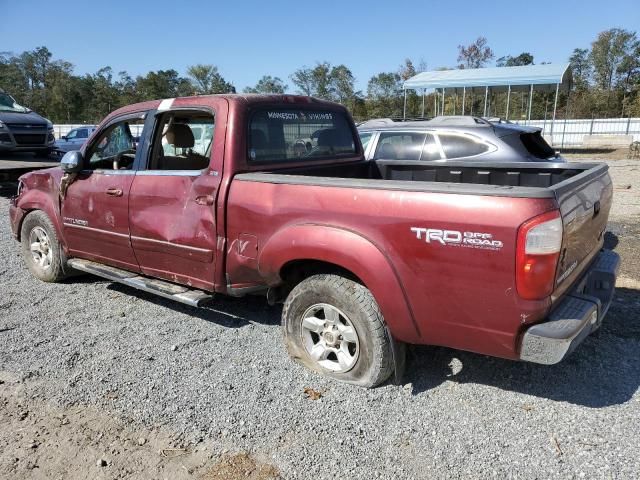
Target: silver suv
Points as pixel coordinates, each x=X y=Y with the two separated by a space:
x=455 y=137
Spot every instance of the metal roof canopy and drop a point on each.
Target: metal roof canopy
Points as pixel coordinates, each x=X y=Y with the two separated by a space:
x=546 y=77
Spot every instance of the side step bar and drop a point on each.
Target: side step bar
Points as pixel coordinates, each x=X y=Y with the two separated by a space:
x=179 y=293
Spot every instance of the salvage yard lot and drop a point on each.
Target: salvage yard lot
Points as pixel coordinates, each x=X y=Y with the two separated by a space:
x=101 y=381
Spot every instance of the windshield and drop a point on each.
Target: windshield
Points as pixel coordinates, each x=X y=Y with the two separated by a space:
x=8 y=104
x=277 y=134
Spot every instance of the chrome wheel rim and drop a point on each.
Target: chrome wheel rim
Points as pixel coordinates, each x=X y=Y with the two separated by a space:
x=40 y=248
x=330 y=338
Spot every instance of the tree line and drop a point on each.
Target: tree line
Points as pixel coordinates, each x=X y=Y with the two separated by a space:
x=606 y=84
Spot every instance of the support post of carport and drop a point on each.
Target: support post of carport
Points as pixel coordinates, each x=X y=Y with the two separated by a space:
x=404 y=110
x=443 y=101
x=508 y=100
x=464 y=94
x=486 y=94
x=555 y=107
x=424 y=90
x=566 y=117
x=435 y=102
x=455 y=100
x=530 y=103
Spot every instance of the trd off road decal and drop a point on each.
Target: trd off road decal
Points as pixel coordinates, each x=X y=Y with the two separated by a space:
x=454 y=238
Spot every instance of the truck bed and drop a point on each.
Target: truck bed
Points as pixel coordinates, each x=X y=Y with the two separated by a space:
x=533 y=180
x=383 y=201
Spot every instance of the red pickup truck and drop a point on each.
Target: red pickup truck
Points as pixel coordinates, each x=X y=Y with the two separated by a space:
x=243 y=194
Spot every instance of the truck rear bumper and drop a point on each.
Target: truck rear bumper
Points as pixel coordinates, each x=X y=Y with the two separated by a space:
x=578 y=314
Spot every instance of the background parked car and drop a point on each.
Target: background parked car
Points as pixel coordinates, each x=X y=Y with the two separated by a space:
x=455 y=137
x=23 y=130
x=74 y=139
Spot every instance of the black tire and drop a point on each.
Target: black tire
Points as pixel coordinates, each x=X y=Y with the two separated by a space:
x=374 y=361
x=52 y=269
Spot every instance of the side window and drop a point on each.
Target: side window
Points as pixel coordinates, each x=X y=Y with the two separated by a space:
x=182 y=141
x=72 y=134
x=431 y=150
x=115 y=148
x=83 y=133
x=365 y=138
x=459 y=146
x=399 y=146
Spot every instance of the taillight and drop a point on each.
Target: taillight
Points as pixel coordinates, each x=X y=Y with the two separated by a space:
x=538 y=248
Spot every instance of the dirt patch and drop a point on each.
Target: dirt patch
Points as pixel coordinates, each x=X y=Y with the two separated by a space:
x=40 y=441
x=603 y=153
x=241 y=466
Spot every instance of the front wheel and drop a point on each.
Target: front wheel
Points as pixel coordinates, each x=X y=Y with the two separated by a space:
x=334 y=326
x=40 y=247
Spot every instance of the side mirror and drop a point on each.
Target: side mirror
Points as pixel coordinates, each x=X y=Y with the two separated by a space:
x=71 y=162
x=63 y=137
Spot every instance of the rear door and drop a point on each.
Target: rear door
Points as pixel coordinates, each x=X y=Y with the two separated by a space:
x=584 y=202
x=399 y=145
x=172 y=205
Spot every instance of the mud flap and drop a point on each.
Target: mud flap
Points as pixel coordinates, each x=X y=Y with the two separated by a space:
x=399 y=354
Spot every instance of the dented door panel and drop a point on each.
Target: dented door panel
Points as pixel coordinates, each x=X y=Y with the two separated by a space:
x=172 y=234
x=95 y=217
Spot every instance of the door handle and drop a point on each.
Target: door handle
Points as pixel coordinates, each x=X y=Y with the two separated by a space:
x=204 y=200
x=114 y=192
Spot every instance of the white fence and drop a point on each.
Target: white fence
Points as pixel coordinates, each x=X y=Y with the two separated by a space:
x=569 y=133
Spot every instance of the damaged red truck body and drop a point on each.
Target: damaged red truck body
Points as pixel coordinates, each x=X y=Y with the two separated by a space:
x=239 y=195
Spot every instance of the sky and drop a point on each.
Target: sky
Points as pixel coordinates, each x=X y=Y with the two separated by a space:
x=248 y=39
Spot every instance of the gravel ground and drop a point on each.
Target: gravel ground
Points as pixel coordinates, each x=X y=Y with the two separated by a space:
x=216 y=387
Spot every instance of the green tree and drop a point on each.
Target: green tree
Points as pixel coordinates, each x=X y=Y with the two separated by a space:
x=314 y=82
x=159 y=84
x=580 y=67
x=267 y=84
x=342 y=85
x=525 y=58
x=334 y=83
x=13 y=78
x=609 y=52
x=207 y=80
x=384 y=95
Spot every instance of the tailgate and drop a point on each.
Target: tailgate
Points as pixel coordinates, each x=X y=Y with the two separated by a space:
x=584 y=202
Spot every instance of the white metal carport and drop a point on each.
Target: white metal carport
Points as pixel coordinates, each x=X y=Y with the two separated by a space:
x=546 y=77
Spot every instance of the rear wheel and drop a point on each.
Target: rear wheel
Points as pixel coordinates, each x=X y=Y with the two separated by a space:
x=40 y=247
x=334 y=326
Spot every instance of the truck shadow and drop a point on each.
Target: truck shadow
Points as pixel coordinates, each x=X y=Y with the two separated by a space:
x=224 y=311
x=603 y=371
x=8 y=189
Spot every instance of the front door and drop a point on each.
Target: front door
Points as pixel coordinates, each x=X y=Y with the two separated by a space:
x=95 y=209
x=172 y=201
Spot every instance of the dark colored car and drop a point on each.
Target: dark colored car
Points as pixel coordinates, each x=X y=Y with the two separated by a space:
x=454 y=138
x=502 y=259
x=74 y=139
x=23 y=130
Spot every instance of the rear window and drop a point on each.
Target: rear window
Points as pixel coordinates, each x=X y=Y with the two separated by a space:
x=460 y=146
x=536 y=145
x=279 y=134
